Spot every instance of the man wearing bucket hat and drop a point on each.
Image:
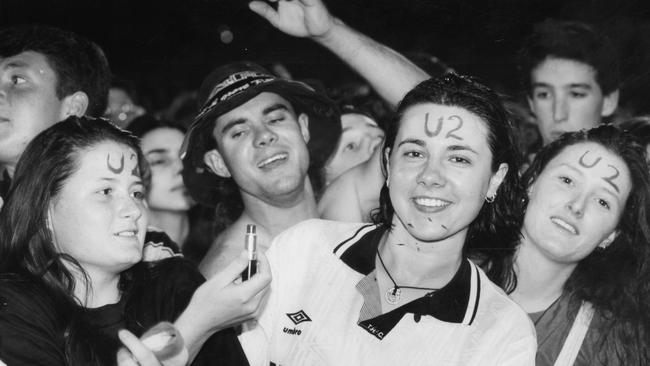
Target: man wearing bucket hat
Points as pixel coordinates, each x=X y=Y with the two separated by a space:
x=250 y=150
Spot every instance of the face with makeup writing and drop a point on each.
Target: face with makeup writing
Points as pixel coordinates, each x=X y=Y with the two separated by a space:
x=576 y=202
x=99 y=216
x=440 y=172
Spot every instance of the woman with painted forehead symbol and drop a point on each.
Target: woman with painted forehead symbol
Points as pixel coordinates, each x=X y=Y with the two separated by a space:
x=72 y=279
x=402 y=291
x=583 y=260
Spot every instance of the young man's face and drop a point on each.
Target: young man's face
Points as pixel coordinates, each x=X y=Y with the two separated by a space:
x=28 y=103
x=262 y=144
x=565 y=97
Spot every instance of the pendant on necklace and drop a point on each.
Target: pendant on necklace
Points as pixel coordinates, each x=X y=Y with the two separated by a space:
x=393 y=295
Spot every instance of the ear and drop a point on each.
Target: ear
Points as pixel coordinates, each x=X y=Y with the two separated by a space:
x=610 y=103
x=496 y=179
x=303 y=123
x=214 y=161
x=74 y=104
x=608 y=240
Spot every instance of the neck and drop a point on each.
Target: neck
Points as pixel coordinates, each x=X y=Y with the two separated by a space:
x=422 y=264
x=102 y=288
x=540 y=281
x=176 y=224
x=274 y=217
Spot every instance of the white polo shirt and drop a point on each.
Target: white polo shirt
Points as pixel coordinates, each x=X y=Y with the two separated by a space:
x=324 y=309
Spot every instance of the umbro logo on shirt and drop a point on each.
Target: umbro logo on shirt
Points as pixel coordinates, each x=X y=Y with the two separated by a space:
x=299 y=317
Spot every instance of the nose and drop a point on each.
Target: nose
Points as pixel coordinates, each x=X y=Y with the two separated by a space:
x=432 y=174
x=577 y=206
x=560 y=109
x=129 y=208
x=264 y=136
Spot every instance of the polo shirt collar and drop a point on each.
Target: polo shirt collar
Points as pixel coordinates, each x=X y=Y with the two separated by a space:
x=457 y=302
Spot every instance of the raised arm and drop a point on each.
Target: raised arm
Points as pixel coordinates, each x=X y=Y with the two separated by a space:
x=388 y=72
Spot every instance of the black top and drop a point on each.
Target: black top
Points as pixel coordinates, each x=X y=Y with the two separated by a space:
x=32 y=329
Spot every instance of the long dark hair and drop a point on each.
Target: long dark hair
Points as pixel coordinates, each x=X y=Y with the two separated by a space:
x=26 y=245
x=489 y=234
x=616 y=280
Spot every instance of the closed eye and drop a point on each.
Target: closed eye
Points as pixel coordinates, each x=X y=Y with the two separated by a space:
x=578 y=95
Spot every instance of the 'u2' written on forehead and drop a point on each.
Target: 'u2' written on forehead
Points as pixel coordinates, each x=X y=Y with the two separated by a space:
x=118 y=170
x=454 y=119
x=610 y=179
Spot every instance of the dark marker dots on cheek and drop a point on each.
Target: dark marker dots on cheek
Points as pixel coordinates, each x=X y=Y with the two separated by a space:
x=429 y=219
x=409 y=225
x=443 y=226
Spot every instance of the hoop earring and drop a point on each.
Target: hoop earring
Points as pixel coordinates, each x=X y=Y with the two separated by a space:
x=490 y=199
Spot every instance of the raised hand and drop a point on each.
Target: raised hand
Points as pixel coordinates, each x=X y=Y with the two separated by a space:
x=299 y=18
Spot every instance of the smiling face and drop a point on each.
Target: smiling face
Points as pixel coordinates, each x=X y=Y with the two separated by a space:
x=576 y=202
x=161 y=148
x=99 y=216
x=566 y=97
x=439 y=172
x=262 y=144
x=359 y=139
x=28 y=102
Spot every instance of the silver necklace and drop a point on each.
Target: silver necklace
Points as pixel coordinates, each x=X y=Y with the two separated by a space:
x=393 y=294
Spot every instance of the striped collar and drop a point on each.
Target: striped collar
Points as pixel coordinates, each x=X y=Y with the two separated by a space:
x=457 y=302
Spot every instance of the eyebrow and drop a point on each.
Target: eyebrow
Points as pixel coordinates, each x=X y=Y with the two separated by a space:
x=574 y=85
x=368 y=124
x=461 y=148
x=412 y=141
x=112 y=180
x=275 y=107
x=16 y=64
x=157 y=151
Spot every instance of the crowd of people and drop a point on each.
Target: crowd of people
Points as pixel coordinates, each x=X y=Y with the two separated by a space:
x=423 y=228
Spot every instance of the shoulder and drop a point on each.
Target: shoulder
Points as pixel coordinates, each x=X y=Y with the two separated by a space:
x=340 y=201
x=21 y=295
x=29 y=322
x=323 y=233
x=222 y=251
x=497 y=309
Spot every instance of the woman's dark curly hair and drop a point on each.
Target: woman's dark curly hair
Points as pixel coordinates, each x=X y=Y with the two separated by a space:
x=616 y=280
x=493 y=233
